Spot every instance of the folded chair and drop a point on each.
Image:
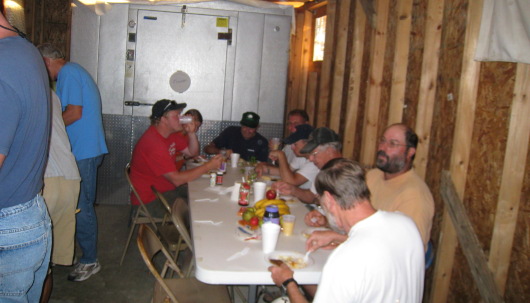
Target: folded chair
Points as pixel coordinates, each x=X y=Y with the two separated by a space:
x=169 y=233
x=141 y=215
x=179 y=290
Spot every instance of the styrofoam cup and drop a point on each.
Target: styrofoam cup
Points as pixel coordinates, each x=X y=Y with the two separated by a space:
x=234 y=159
x=235 y=192
x=259 y=191
x=269 y=236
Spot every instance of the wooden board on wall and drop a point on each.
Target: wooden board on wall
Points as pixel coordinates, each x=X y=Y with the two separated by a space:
x=354 y=87
x=460 y=154
x=325 y=75
x=373 y=95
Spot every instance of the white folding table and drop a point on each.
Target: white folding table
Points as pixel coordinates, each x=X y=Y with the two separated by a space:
x=221 y=254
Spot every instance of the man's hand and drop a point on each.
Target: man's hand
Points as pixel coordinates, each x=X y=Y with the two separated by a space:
x=261 y=168
x=274 y=155
x=215 y=162
x=325 y=239
x=283 y=187
x=280 y=273
x=315 y=219
x=190 y=128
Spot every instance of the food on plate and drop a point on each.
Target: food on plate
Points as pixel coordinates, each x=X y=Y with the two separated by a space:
x=270 y=194
x=294 y=262
x=254 y=221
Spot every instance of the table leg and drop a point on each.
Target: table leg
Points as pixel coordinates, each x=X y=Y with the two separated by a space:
x=252 y=291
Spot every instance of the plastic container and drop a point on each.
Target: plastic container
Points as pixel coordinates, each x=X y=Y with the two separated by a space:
x=271 y=214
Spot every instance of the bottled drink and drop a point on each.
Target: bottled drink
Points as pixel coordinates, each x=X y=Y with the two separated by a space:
x=271 y=214
x=244 y=191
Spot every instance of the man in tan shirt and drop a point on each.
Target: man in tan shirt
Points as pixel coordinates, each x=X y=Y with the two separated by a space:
x=394 y=185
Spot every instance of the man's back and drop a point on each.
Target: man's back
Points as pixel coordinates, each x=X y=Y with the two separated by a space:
x=382 y=261
x=24 y=119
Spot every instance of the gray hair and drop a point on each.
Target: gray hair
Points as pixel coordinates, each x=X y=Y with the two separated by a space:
x=47 y=50
x=335 y=145
x=344 y=179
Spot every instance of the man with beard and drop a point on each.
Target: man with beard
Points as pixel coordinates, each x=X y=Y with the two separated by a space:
x=394 y=184
x=381 y=259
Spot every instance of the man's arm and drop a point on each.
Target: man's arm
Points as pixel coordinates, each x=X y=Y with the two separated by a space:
x=281 y=274
x=72 y=113
x=304 y=195
x=2 y=158
x=286 y=174
x=181 y=177
x=211 y=148
x=193 y=146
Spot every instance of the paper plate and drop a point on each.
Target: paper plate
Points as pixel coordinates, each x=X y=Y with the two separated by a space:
x=247 y=235
x=293 y=259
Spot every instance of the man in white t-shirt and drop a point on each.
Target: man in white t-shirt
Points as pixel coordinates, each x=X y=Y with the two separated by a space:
x=382 y=258
x=298 y=171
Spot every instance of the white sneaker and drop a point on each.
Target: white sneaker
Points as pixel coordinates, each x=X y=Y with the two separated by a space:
x=82 y=272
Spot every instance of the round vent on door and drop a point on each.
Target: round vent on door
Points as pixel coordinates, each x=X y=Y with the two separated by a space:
x=179 y=81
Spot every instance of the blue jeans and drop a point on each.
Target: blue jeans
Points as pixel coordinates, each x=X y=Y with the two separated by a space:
x=25 y=248
x=86 y=232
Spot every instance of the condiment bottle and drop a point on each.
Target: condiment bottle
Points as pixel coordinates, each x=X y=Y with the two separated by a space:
x=219 y=179
x=271 y=214
x=213 y=179
x=244 y=191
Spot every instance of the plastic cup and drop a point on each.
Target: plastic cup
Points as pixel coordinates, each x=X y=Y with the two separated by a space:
x=235 y=192
x=259 y=191
x=185 y=119
x=269 y=236
x=234 y=159
x=275 y=143
x=288 y=224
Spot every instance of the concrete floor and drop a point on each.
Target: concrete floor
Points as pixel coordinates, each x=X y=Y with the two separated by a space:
x=129 y=283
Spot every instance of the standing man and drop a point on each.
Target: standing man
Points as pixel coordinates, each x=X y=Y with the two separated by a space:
x=244 y=140
x=322 y=146
x=25 y=227
x=395 y=186
x=81 y=104
x=382 y=257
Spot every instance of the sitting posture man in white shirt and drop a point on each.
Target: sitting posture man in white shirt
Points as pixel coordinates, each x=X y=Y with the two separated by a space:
x=382 y=258
x=298 y=171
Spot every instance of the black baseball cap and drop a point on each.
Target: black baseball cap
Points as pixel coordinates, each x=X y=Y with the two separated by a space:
x=163 y=106
x=250 y=119
x=302 y=132
x=319 y=136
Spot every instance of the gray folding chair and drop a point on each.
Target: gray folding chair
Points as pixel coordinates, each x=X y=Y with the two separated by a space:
x=179 y=290
x=141 y=215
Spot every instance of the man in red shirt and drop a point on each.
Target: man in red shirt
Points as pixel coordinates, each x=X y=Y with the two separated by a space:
x=154 y=157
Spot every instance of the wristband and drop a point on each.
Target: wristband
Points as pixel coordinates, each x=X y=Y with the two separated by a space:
x=286 y=282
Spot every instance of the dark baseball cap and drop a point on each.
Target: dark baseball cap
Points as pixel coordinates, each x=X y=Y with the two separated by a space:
x=250 y=119
x=319 y=136
x=163 y=106
x=302 y=132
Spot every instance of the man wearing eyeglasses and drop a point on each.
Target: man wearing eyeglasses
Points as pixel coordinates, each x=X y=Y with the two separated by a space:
x=322 y=146
x=394 y=184
x=154 y=159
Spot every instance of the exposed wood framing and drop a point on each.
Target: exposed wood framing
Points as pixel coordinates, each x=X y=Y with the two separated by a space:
x=312 y=93
x=427 y=93
x=354 y=87
x=469 y=242
x=295 y=61
x=373 y=98
x=512 y=178
x=325 y=75
x=339 y=64
x=460 y=154
x=307 y=40
x=401 y=60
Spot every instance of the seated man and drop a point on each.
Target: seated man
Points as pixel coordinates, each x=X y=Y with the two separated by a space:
x=196 y=118
x=382 y=257
x=244 y=140
x=394 y=184
x=322 y=145
x=294 y=118
x=299 y=171
x=154 y=157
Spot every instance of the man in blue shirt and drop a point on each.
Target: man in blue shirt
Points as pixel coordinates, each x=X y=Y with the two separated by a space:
x=25 y=227
x=81 y=104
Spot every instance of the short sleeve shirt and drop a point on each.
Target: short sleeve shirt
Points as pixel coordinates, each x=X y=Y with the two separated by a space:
x=231 y=138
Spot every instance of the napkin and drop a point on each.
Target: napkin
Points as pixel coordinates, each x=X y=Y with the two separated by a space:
x=238 y=254
x=207 y=200
x=209 y=222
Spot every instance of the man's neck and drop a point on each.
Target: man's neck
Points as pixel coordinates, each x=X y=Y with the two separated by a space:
x=399 y=173
x=358 y=213
x=4 y=33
